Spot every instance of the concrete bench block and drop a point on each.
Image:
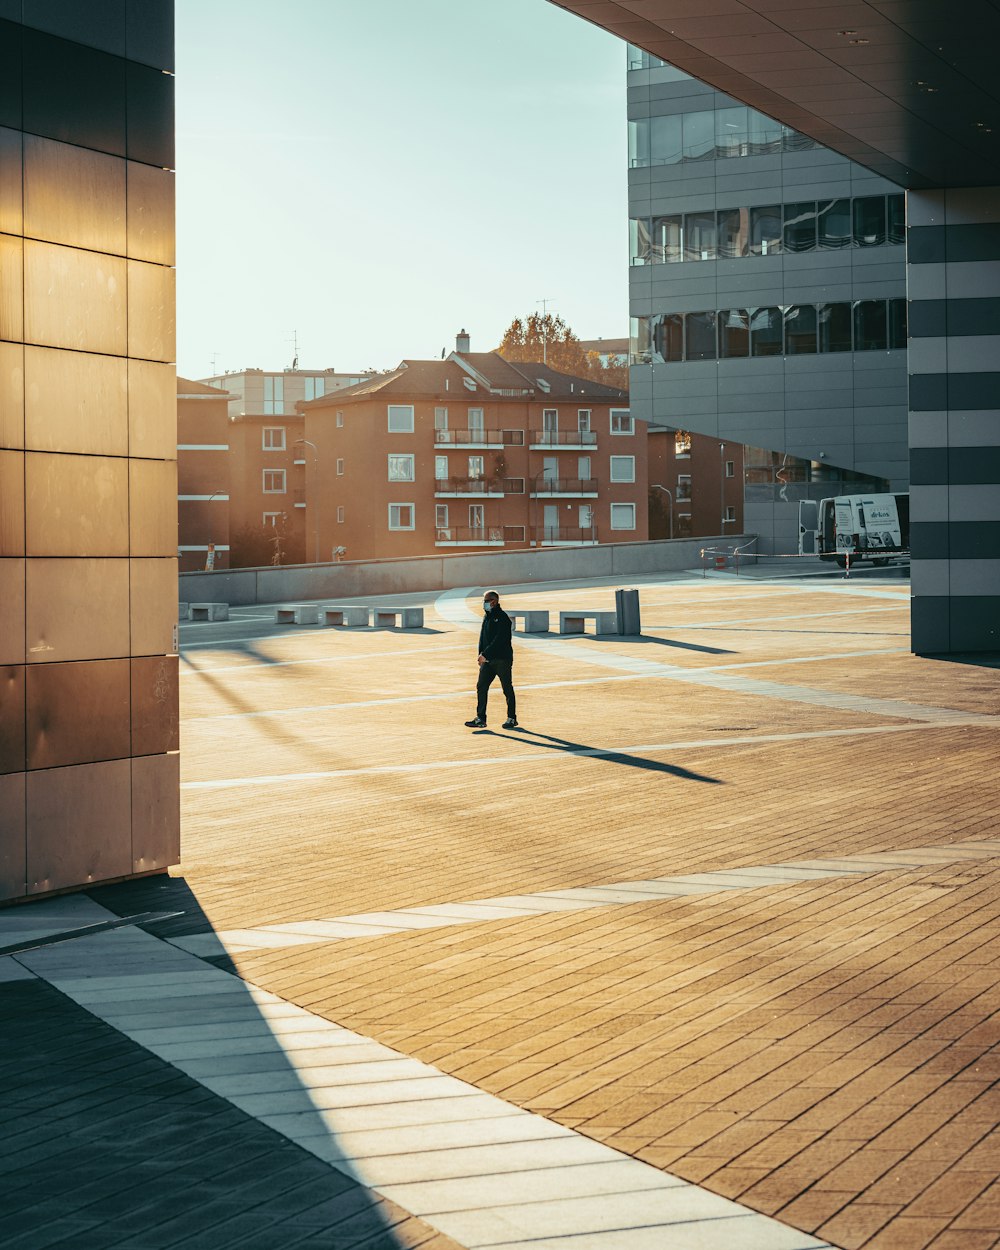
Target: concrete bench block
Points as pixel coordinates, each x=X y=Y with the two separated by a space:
x=535 y=620
x=344 y=616
x=575 y=622
x=296 y=614
x=208 y=611
x=409 y=618
x=182 y=611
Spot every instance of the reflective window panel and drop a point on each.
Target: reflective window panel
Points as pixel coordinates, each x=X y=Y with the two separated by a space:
x=765 y=332
x=834 y=327
x=896 y=210
x=834 y=224
x=669 y=337
x=667 y=239
x=699 y=236
x=800 y=226
x=869 y=325
x=869 y=221
x=700 y=336
x=665 y=140
x=765 y=134
x=734 y=233
x=699 y=136
x=897 y=323
x=800 y=330
x=734 y=333
x=731 y=136
x=765 y=230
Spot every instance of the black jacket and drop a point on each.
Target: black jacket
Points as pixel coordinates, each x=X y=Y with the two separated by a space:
x=494 y=636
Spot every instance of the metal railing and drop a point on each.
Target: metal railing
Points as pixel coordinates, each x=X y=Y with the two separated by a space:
x=564 y=486
x=564 y=534
x=563 y=438
x=491 y=534
x=469 y=486
x=479 y=438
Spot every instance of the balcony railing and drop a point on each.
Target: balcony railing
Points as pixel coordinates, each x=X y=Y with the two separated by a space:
x=469 y=536
x=545 y=487
x=475 y=486
x=561 y=535
x=563 y=438
x=469 y=438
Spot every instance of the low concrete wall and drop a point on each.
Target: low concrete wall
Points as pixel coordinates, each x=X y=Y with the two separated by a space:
x=356 y=579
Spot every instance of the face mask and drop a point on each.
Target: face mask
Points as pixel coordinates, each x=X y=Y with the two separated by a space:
x=487 y=606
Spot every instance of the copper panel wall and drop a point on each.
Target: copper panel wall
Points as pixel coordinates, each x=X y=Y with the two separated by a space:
x=89 y=769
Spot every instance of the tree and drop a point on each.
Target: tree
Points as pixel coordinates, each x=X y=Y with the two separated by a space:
x=544 y=338
x=254 y=546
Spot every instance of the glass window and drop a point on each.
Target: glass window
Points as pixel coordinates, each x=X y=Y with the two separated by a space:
x=477 y=467
x=667 y=239
x=315 y=388
x=869 y=325
x=699 y=236
x=730 y=512
x=731 y=131
x=271 y=518
x=400 y=468
x=274 y=396
x=401 y=516
x=896 y=206
x=700 y=336
x=730 y=468
x=638 y=143
x=440 y=468
x=764 y=134
x=340 y=419
x=668 y=336
x=800 y=330
x=765 y=332
x=683 y=487
x=274 y=481
x=623 y=516
x=897 y=323
x=622 y=469
x=734 y=333
x=869 y=221
x=792 y=141
x=400 y=418
x=765 y=230
x=800 y=226
x=834 y=327
x=640 y=341
x=340 y=468
x=639 y=244
x=734 y=232
x=682 y=443
x=665 y=140
x=440 y=418
x=583 y=468
x=583 y=420
x=550 y=420
x=477 y=422
x=621 y=421
x=477 y=516
x=274 y=438
x=440 y=516
x=834 y=224
x=699 y=136
x=340 y=515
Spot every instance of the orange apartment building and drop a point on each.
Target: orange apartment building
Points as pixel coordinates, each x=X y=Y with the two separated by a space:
x=474 y=453
x=203 y=469
x=695 y=484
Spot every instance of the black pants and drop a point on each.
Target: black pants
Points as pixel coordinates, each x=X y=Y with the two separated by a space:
x=487 y=671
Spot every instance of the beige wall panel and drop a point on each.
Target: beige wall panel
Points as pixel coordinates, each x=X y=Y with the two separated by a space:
x=12 y=721
x=75 y=402
x=154 y=705
x=152 y=410
x=152 y=507
x=13 y=852
x=74 y=299
x=11 y=503
x=77 y=713
x=96 y=844
x=76 y=505
x=11 y=611
x=156 y=812
x=11 y=395
x=153 y=590
x=76 y=610
x=73 y=196
x=150 y=213
x=10 y=181
x=151 y=301
x=11 y=288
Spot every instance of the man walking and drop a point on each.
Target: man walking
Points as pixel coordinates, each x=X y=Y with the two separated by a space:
x=496 y=656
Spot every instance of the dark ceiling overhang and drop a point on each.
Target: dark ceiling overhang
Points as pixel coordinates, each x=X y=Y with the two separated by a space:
x=908 y=88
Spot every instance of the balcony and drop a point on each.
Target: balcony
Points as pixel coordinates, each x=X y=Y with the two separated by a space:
x=565 y=488
x=563 y=536
x=479 y=536
x=563 y=440
x=299 y=498
x=470 y=438
x=468 y=487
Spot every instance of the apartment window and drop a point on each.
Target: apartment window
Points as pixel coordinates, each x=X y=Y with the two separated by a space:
x=834 y=327
x=621 y=421
x=400 y=468
x=440 y=418
x=315 y=388
x=340 y=515
x=400 y=418
x=730 y=468
x=401 y=515
x=730 y=513
x=274 y=481
x=477 y=517
x=477 y=467
x=869 y=325
x=623 y=516
x=441 y=468
x=623 y=468
x=682 y=443
x=550 y=420
x=477 y=423
x=271 y=519
x=583 y=420
x=734 y=233
x=274 y=396
x=683 y=487
x=765 y=332
x=273 y=438
x=340 y=419
x=441 y=516
x=583 y=468
x=834 y=224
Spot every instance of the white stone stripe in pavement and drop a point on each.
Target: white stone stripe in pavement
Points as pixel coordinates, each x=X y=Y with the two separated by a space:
x=477 y=1168
x=623 y=893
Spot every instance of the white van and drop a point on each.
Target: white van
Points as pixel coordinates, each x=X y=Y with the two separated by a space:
x=866 y=527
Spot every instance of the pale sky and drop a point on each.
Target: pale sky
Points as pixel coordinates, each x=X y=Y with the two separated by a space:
x=378 y=174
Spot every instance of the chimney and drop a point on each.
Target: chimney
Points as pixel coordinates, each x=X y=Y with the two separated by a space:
x=462 y=341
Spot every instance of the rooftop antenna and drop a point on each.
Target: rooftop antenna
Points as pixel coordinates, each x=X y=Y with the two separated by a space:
x=215 y=358
x=294 y=340
x=545 y=342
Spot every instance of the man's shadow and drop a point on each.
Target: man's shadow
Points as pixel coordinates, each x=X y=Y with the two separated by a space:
x=615 y=757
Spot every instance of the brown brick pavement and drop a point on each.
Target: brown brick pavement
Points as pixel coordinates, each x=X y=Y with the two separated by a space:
x=826 y=1051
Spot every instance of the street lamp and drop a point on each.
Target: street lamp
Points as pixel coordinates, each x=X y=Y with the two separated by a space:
x=210 y=553
x=657 y=486
x=306 y=443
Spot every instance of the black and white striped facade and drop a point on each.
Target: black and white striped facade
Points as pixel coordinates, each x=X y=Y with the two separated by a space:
x=953 y=286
